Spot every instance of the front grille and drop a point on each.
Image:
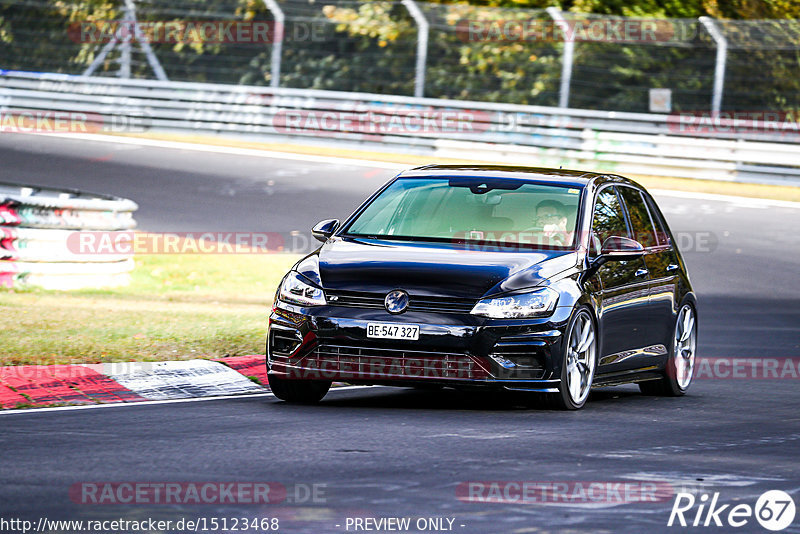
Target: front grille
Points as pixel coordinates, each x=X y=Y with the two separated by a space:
x=361 y=299
x=351 y=361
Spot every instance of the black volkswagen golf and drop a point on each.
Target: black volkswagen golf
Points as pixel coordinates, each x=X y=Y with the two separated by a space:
x=513 y=278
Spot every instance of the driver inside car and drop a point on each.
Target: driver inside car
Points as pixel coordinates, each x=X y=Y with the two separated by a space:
x=551 y=218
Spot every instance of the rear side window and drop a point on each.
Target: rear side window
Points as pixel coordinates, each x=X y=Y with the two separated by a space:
x=643 y=230
x=608 y=220
x=661 y=227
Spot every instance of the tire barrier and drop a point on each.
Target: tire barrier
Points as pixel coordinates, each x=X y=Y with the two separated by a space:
x=35 y=226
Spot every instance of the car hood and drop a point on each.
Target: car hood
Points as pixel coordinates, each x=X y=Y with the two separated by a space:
x=433 y=269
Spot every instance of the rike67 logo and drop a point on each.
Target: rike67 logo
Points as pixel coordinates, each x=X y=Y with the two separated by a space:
x=774 y=510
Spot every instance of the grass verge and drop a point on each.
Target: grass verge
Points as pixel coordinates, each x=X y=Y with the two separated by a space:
x=177 y=307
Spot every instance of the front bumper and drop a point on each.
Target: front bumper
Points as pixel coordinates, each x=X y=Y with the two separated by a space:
x=454 y=349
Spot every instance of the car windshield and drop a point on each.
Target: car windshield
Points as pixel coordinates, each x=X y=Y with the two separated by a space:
x=506 y=212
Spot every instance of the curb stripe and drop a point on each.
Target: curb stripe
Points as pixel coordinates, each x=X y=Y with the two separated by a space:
x=95 y=385
x=180 y=379
x=10 y=398
x=70 y=384
x=248 y=366
x=130 y=382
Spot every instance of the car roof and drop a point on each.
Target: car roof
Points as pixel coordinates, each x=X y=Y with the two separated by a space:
x=537 y=174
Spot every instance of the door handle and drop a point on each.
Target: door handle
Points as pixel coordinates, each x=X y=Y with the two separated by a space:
x=672 y=267
x=641 y=272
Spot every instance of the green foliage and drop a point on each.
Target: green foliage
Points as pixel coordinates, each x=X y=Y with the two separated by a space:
x=371 y=47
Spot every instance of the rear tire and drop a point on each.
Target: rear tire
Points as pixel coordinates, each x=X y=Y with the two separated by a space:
x=298 y=391
x=681 y=363
x=579 y=365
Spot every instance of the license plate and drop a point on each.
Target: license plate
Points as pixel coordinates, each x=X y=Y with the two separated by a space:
x=393 y=331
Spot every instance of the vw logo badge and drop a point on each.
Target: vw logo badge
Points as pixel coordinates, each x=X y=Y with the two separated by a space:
x=396 y=301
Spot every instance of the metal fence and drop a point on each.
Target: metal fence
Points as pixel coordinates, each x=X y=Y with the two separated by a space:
x=619 y=142
x=454 y=51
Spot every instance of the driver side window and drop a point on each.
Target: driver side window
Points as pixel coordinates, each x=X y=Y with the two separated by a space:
x=608 y=220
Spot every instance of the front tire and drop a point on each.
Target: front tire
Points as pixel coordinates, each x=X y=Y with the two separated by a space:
x=298 y=391
x=580 y=363
x=680 y=366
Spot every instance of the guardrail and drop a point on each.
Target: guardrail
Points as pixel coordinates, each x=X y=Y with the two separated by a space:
x=39 y=238
x=707 y=147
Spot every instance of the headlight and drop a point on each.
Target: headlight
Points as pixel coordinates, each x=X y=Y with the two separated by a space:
x=535 y=304
x=296 y=290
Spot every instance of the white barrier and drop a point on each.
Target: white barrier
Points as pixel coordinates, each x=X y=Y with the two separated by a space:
x=747 y=151
x=38 y=228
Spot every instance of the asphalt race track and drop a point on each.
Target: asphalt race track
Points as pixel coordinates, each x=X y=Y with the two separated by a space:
x=380 y=452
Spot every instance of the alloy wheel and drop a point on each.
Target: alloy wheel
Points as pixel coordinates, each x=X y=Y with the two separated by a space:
x=580 y=361
x=685 y=342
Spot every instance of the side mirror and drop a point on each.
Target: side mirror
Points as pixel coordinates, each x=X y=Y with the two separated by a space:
x=324 y=229
x=620 y=249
